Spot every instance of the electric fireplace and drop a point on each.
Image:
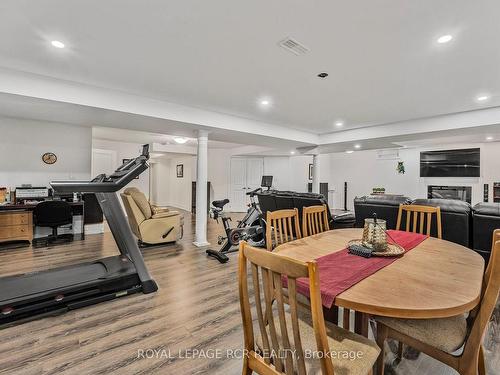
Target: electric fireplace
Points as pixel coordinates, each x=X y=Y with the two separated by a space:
x=462 y=193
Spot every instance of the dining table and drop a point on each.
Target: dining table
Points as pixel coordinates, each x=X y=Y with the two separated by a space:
x=436 y=279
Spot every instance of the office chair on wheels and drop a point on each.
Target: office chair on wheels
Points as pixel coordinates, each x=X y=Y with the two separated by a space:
x=52 y=214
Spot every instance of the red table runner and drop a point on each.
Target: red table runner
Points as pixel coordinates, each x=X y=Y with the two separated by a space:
x=340 y=270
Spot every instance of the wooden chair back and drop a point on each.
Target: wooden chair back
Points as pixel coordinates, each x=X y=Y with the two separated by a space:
x=267 y=270
x=282 y=226
x=496 y=237
x=314 y=220
x=486 y=307
x=421 y=215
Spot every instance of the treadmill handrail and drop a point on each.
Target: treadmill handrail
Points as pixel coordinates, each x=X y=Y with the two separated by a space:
x=100 y=187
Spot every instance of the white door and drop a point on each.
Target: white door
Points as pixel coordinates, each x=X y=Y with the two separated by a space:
x=255 y=170
x=103 y=161
x=238 y=185
x=246 y=175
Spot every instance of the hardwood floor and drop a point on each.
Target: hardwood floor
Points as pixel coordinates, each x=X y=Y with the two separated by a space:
x=195 y=309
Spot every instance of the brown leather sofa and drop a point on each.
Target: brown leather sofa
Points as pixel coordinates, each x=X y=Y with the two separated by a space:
x=151 y=224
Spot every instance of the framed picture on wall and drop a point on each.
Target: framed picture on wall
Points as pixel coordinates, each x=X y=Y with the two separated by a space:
x=126 y=161
x=310 y=171
x=180 y=170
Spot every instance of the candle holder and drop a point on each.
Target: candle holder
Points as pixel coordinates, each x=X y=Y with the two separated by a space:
x=374 y=235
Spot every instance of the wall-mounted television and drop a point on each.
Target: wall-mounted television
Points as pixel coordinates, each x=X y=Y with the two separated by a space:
x=450 y=163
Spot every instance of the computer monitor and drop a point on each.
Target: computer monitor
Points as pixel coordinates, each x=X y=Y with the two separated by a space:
x=267 y=181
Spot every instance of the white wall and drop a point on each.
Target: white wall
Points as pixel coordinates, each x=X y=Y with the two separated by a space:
x=124 y=150
x=289 y=172
x=23 y=142
x=167 y=188
x=219 y=166
x=363 y=171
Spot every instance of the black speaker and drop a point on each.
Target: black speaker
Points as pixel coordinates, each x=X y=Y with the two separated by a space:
x=486 y=192
x=345 y=196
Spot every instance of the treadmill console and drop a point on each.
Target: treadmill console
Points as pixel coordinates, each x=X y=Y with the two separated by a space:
x=107 y=184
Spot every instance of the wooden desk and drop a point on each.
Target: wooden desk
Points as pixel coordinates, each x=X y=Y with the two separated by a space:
x=16 y=226
x=16 y=221
x=436 y=279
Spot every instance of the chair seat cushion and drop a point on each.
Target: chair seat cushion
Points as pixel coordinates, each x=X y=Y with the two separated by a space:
x=446 y=334
x=351 y=354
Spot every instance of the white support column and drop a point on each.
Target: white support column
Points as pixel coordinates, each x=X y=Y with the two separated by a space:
x=316 y=174
x=201 y=190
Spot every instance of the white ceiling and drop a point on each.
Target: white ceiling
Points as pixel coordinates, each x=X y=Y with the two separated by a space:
x=135 y=136
x=479 y=134
x=383 y=61
x=19 y=106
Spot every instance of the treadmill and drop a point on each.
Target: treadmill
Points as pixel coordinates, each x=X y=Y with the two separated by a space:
x=36 y=294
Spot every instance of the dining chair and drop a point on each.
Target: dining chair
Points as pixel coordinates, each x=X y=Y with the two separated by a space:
x=282 y=226
x=286 y=338
x=421 y=215
x=314 y=220
x=439 y=338
x=496 y=237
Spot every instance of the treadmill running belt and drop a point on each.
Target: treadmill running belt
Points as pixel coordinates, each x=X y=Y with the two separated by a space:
x=42 y=282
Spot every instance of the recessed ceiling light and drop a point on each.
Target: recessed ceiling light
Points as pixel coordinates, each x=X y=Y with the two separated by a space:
x=180 y=140
x=339 y=123
x=490 y=138
x=482 y=98
x=444 y=39
x=57 y=44
x=265 y=102
x=357 y=145
x=292 y=152
x=349 y=151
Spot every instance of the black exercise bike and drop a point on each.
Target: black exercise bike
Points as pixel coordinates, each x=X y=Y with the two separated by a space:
x=251 y=228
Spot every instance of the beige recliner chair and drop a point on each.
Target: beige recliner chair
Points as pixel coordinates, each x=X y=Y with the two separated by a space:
x=151 y=224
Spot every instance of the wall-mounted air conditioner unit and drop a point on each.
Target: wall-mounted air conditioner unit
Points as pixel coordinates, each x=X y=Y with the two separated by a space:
x=388 y=155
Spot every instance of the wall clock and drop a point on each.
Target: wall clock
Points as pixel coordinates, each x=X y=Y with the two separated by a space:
x=49 y=158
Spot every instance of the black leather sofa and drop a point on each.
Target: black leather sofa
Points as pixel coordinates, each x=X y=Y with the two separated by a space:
x=468 y=226
x=386 y=208
x=486 y=218
x=273 y=200
x=456 y=219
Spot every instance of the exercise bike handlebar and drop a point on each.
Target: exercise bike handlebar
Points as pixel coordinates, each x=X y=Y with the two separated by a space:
x=107 y=184
x=253 y=192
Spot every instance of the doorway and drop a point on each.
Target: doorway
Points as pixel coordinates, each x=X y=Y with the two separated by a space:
x=246 y=175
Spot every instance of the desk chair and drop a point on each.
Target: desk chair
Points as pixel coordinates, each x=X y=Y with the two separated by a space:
x=53 y=214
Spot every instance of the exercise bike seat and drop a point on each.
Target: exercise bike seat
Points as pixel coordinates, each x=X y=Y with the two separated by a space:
x=221 y=203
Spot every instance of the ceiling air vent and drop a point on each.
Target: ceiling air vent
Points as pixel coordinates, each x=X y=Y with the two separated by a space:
x=293 y=46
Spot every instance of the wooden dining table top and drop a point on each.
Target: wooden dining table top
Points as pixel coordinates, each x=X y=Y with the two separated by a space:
x=436 y=279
